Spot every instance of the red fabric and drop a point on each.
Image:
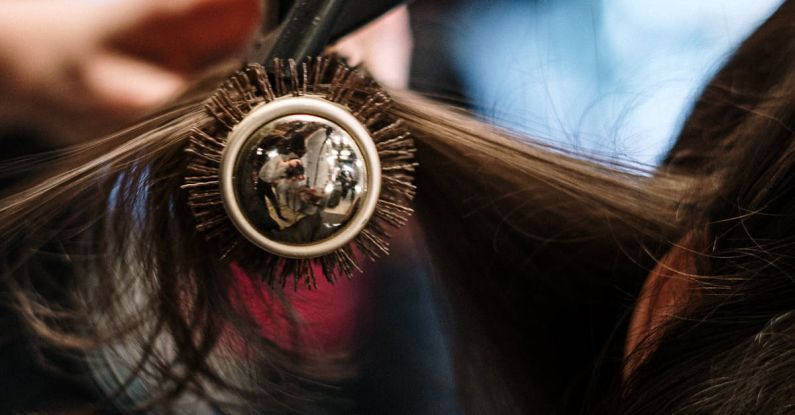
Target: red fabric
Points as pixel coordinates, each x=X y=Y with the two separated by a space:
x=330 y=319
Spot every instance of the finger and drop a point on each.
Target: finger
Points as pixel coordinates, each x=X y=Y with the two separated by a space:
x=126 y=87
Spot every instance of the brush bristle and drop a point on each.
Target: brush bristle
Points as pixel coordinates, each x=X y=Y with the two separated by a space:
x=333 y=80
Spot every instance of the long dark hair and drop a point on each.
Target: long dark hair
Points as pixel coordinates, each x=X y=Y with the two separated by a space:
x=541 y=253
x=730 y=350
x=542 y=309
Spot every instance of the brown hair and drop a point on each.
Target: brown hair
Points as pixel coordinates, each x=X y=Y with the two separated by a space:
x=534 y=246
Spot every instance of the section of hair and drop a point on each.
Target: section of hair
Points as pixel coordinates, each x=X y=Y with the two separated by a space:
x=533 y=244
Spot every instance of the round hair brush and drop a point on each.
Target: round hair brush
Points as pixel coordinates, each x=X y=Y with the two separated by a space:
x=298 y=170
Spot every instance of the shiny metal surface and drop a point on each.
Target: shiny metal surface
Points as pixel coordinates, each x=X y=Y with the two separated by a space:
x=300 y=177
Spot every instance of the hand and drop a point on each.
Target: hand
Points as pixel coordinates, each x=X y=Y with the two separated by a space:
x=294 y=163
x=90 y=68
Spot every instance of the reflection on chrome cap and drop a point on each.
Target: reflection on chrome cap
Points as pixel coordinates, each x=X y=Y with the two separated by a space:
x=302 y=179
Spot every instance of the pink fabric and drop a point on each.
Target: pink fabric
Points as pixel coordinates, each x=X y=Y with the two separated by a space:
x=330 y=319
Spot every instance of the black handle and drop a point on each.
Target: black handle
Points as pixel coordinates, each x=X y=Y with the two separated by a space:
x=306 y=29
